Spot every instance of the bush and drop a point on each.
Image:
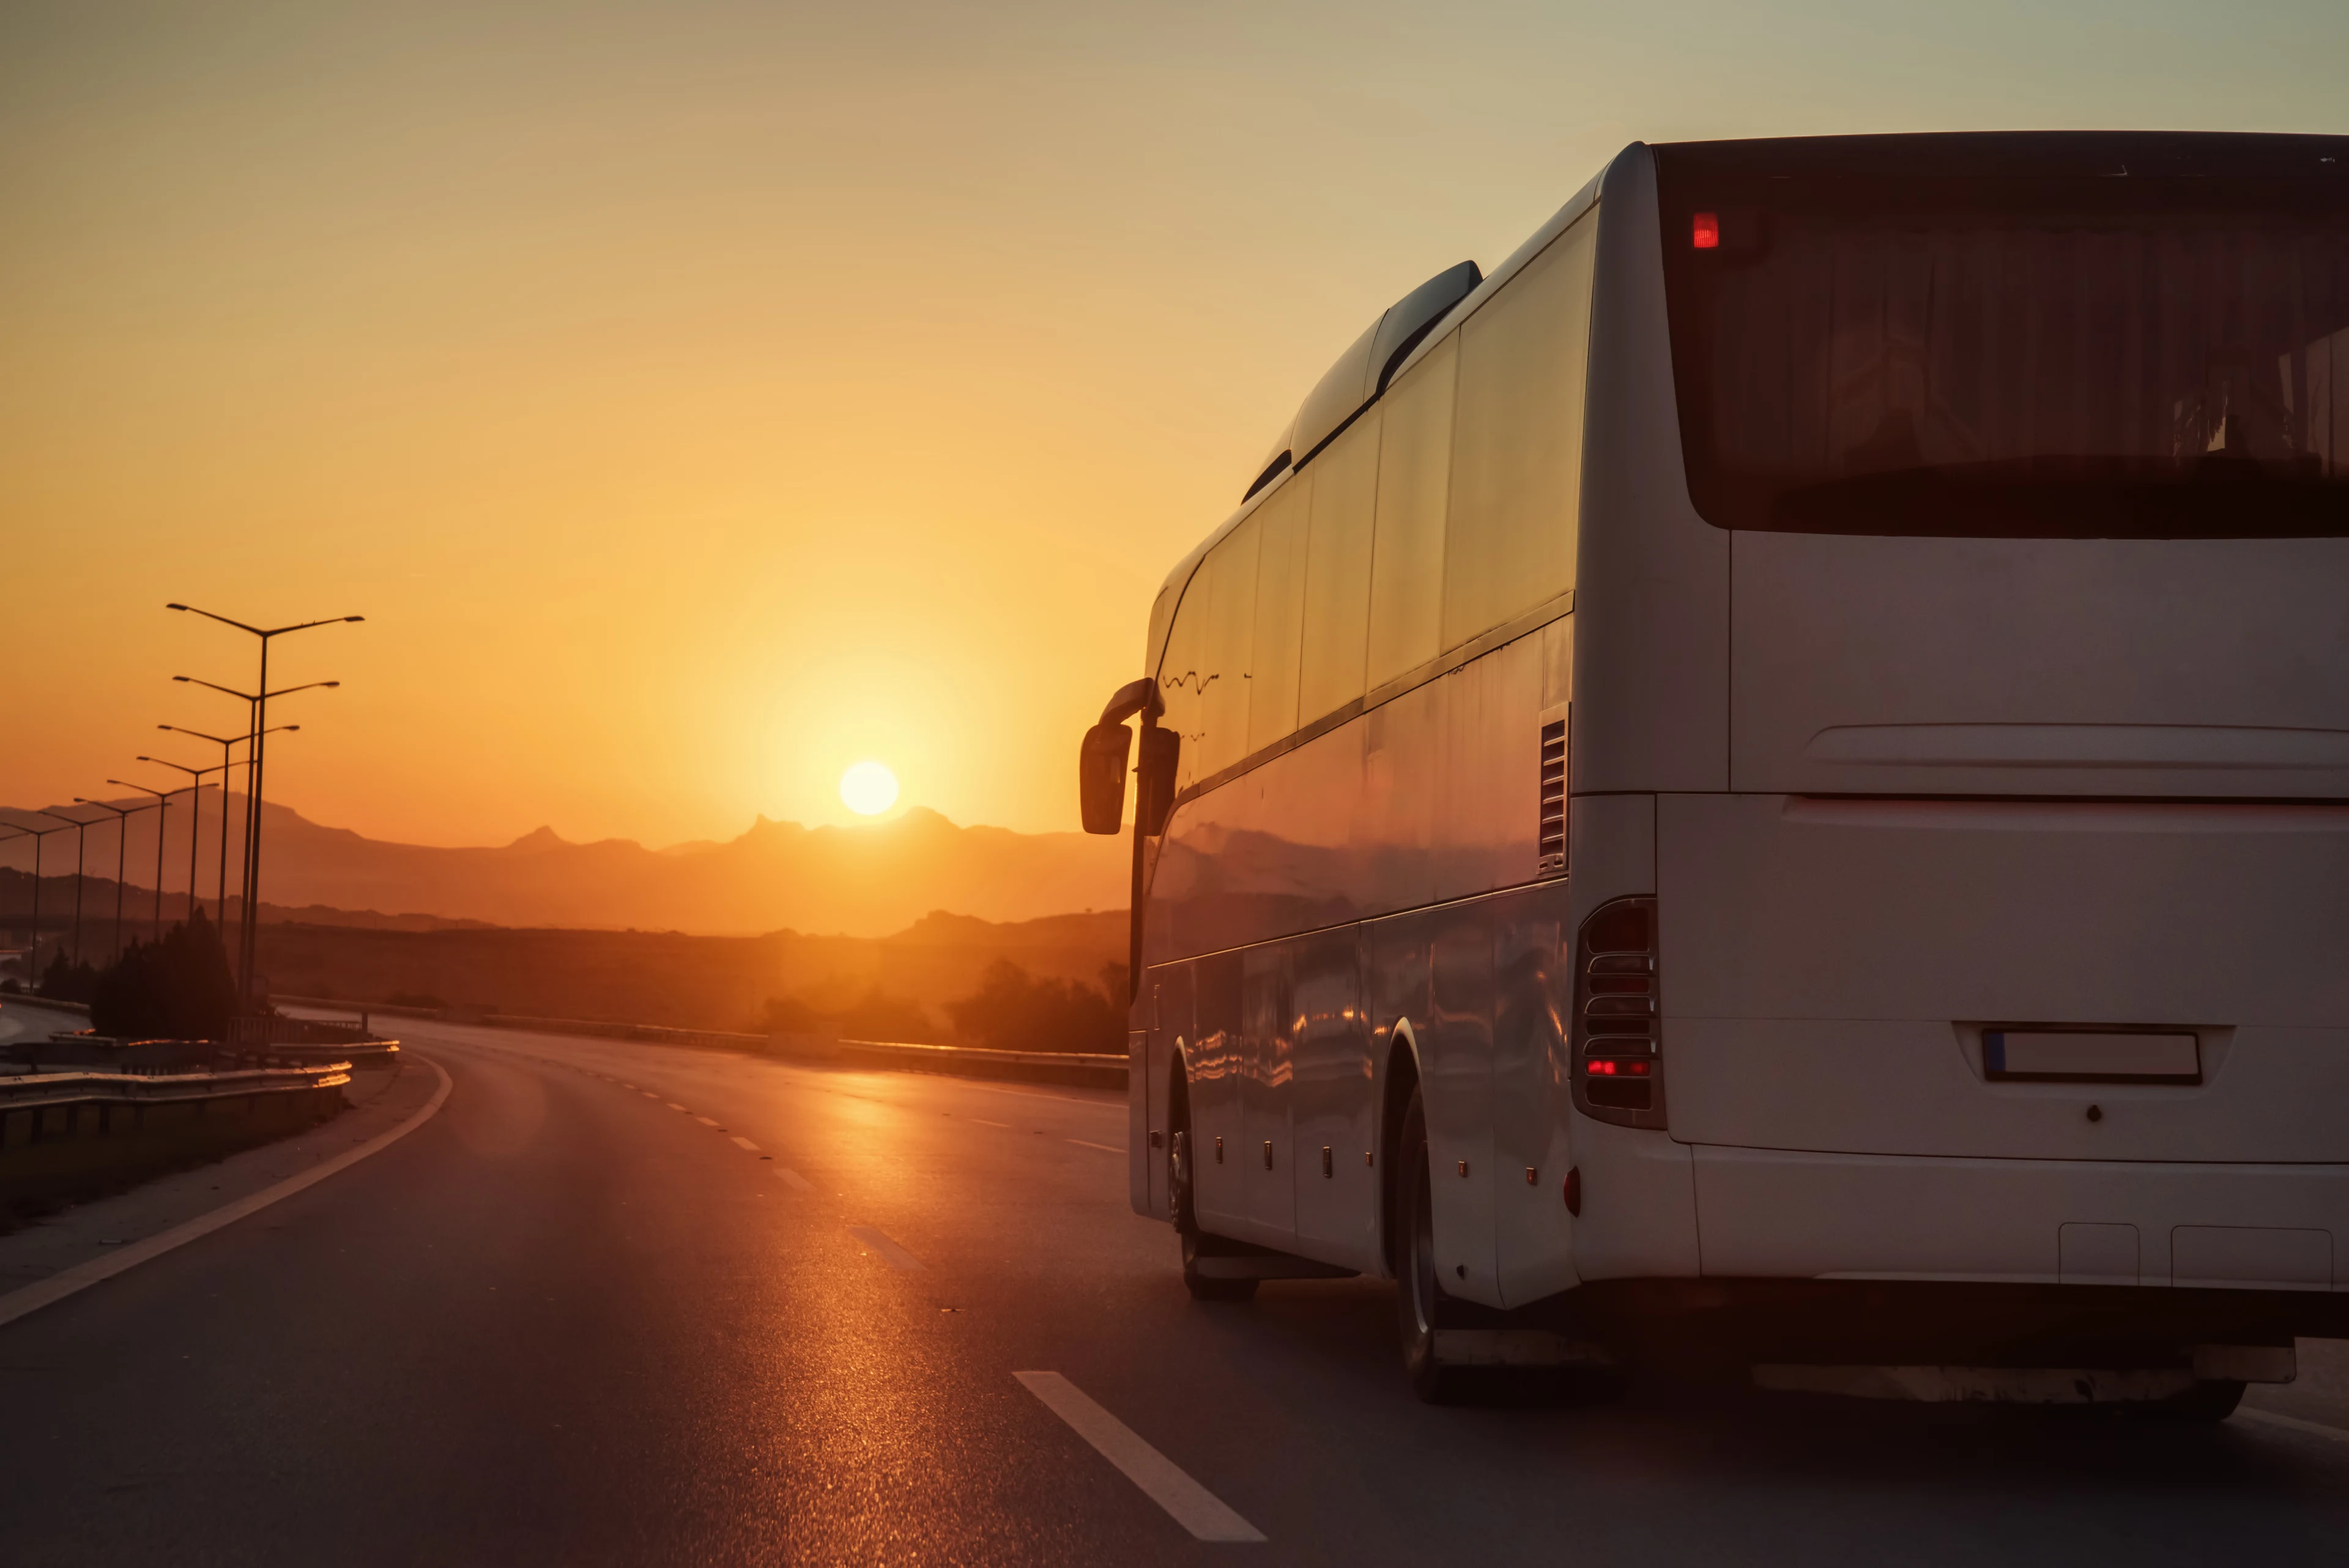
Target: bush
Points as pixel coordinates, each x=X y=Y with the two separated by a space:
x=175 y=989
x=1014 y=1011
x=70 y=982
x=875 y=1015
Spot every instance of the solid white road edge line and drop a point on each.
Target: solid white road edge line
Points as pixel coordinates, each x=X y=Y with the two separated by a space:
x=891 y=1253
x=1194 y=1508
x=32 y=1298
x=2316 y=1428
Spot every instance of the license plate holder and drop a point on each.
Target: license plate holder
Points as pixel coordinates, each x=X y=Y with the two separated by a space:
x=2044 y=1055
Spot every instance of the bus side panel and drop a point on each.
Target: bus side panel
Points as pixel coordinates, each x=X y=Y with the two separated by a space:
x=1638 y=1190
x=1456 y=1055
x=1215 y=1068
x=1168 y=1004
x=1142 y=1098
x=1336 y=1105
x=1488 y=799
x=1651 y=596
x=1532 y=1091
x=1268 y=1073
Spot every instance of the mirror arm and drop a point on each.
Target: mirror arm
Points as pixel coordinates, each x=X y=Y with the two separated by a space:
x=1134 y=697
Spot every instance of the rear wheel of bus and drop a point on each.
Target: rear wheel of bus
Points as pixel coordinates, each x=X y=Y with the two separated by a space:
x=1420 y=1301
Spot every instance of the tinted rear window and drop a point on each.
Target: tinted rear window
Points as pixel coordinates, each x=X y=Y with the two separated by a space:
x=2054 y=336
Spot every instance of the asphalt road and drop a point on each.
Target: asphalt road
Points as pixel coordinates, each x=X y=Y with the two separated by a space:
x=564 y=1322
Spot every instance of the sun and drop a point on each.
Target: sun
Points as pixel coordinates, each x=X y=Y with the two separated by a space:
x=869 y=789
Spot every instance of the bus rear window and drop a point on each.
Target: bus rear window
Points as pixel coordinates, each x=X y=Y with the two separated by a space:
x=2030 y=336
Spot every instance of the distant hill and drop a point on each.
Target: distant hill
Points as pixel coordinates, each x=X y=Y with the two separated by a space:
x=864 y=881
x=657 y=977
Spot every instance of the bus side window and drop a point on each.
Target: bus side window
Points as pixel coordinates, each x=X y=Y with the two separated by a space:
x=1182 y=675
x=1279 y=611
x=1517 y=449
x=1337 y=570
x=1407 y=542
x=1230 y=569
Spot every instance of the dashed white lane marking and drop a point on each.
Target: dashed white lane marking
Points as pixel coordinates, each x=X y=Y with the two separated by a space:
x=1105 y=1148
x=648 y=1094
x=2294 y=1423
x=705 y=1121
x=891 y=1253
x=746 y=1143
x=1194 y=1508
x=81 y=1276
x=985 y=1123
x=793 y=1179
x=672 y=1104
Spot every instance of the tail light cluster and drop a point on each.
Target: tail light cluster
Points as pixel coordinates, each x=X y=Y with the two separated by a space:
x=1618 y=1031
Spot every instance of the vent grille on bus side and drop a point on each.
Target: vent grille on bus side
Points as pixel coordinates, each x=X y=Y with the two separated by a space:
x=1618 y=1030
x=1553 y=799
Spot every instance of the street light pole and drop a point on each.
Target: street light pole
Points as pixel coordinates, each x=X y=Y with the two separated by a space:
x=248 y=919
x=81 y=857
x=121 y=843
x=256 y=773
x=196 y=823
x=33 y=964
x=225 y=742
x=162 y=825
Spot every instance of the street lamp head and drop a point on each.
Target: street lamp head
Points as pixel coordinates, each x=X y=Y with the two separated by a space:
x=175 y=606
x=354 y=618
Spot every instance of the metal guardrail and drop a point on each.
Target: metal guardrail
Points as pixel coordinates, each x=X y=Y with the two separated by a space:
x=34 y=1091
x=1082 y=1068
x=1104 y=1071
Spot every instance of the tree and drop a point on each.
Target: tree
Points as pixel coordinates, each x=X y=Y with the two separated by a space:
x=1014 y=1011
x=176 y=988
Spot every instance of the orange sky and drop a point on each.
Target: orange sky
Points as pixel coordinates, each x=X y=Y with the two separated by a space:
x=697 y=398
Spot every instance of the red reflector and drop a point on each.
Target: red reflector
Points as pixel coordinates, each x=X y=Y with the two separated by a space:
x=1705 y=235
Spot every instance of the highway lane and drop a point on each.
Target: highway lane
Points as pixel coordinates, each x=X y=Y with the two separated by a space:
x=567 y=1322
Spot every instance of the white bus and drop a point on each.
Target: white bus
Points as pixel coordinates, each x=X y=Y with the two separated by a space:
x=1776 y=771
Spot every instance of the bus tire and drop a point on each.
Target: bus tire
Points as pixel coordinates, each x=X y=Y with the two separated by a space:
x=1420 y=1301
x=1187 y=1227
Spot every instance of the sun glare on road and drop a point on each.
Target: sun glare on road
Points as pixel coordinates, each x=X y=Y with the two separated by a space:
x=869 y=789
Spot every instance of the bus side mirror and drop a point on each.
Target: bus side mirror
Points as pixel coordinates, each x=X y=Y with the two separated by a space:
x=1100 y=776
x=1154 y=788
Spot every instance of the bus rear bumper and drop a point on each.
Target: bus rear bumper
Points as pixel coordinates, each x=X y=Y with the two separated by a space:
x=2185 y=1226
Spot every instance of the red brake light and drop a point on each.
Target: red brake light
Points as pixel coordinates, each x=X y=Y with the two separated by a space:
x=1705 y=232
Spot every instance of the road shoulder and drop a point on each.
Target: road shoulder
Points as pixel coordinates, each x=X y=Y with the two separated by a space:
x=86 y=1235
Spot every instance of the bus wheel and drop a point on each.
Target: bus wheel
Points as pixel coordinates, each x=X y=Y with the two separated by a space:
x=1419 y=1294
x=1186 y=1226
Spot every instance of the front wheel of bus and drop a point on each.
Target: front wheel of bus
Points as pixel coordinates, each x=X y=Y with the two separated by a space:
x=1418 y=1297
x=1186 y=1226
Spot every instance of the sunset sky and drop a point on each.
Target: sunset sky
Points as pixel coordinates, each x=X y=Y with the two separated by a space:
x=698 y=399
